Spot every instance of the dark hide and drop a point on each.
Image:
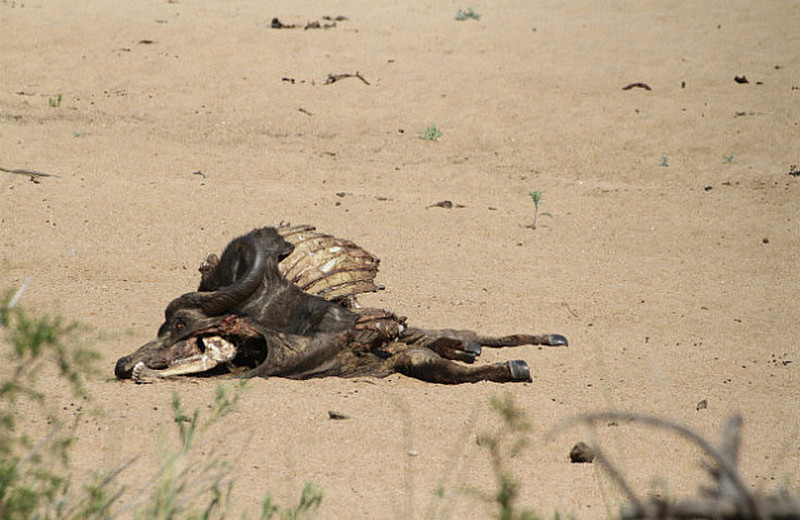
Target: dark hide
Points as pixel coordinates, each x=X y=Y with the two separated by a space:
x=246 y=319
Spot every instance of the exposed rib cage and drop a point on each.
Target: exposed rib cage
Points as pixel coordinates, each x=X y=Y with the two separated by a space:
x=326 y=266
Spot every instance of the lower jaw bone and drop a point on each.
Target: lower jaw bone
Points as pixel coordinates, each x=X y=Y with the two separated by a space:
x=218 y=350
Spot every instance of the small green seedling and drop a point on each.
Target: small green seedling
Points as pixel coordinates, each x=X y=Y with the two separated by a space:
x=664 y=161
x=466 y=14
x=56 y=101
x=537 y=202
x=729 y=158
x=431 y=133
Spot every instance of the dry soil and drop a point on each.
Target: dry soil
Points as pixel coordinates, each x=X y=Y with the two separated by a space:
x=668 y=255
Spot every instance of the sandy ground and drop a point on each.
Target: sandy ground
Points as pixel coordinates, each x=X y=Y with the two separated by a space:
x=670 y=259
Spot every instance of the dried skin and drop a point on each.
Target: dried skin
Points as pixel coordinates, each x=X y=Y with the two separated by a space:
x=275 y=303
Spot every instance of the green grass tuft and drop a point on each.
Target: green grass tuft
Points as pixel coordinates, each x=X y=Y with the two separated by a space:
x=431 y=133
x=467 y=14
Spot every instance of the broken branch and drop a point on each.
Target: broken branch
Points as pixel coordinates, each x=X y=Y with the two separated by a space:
x=732 y=498
x=31 y=173
x=333 y=78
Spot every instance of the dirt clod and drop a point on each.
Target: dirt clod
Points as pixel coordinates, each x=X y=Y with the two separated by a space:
x=581 y=453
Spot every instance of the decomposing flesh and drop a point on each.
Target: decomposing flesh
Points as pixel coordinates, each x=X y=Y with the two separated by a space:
x=282 y=302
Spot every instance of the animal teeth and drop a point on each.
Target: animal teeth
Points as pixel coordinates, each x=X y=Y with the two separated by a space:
x=142 y=374
x=136 y=373
x=217 y=350
x=191 y=359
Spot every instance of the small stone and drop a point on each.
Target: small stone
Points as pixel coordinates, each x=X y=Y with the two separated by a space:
x=581 y=453
x=413 y=453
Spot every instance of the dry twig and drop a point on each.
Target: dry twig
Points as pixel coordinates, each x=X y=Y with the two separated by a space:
x=33 y=174
x=333 y=78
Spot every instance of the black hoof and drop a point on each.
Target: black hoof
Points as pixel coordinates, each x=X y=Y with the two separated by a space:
x=519 y=370
x=466 y=357
x=472 y=348
x=556 y=340
x=470 y=352
x=456 y=349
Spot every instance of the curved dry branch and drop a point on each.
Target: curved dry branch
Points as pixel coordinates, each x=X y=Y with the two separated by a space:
x=753 y=508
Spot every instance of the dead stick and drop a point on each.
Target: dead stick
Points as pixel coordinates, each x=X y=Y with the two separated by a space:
x=729 y=449
x=333 y=78
x=777 y=507
x=362 y=78
x=615 y=474
x=32 y=173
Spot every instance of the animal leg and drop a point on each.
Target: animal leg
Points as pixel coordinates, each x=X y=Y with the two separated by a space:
x=515 y=340
x=424 y=364
x=468 y=336
x=457 y=349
